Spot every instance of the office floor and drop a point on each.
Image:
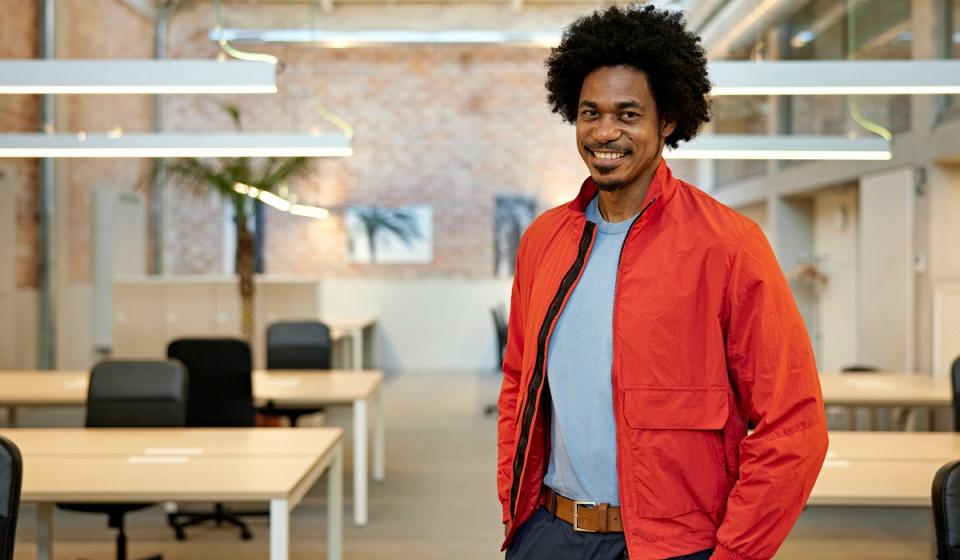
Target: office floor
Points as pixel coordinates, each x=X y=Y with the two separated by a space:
x=439 y=499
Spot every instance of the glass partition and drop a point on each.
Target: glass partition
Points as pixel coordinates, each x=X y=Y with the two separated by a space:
x=841 y=29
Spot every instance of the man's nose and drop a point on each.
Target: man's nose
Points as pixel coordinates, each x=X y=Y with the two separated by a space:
x=606 y=131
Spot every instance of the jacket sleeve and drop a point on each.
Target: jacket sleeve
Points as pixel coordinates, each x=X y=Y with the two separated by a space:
x=772 y=368
x=510 y=389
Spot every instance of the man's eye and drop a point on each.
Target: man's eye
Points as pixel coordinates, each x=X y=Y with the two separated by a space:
x=588 y=113
x=629 y=115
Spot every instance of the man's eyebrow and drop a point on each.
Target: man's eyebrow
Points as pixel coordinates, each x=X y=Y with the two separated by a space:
x=620 y=105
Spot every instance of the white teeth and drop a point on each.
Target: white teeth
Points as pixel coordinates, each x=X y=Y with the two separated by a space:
x=608 y=155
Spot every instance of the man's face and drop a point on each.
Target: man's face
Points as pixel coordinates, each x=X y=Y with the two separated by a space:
x=619 y=133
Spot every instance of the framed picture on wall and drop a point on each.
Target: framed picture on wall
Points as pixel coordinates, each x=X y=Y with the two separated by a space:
x=512 y=215
x=384 y=235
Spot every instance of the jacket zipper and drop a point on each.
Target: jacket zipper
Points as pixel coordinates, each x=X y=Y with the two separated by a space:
x=536 y=379
x=613 y=326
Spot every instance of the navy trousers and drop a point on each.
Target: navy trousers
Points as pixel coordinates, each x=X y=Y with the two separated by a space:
x=546 y=537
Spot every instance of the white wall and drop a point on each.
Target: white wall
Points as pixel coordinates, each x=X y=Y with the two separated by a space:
x=790 y=231
x=835 y=225
x=886 y=269
x=426 y=324
x=943 y=269
x=422 y=324
x=758 y=213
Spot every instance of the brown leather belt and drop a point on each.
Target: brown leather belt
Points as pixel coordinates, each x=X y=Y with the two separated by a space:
x=590 y=517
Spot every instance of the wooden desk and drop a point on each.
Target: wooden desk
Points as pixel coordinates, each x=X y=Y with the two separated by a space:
x=885 y=389
x=894 y=446
x=109 y=465
x=354 y=328
x=269 y=442
x=875 y=483
x=882 y=469
x=905 y=390
x=362 y=390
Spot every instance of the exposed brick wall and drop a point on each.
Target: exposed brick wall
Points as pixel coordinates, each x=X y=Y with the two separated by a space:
x=18 y=113
x=448 y=126
x=100 y=29
x=443 y=125
x=86 y=29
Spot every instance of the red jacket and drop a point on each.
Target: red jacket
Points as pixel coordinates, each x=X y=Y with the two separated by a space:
x=706 y=338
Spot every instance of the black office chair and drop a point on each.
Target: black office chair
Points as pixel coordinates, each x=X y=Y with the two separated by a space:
x=221 y=395
x=955 y=384
x=500 y=327
x=11 y=474
x=860 y=368
x=946 y=510
x=133 y=394
x=297 y=345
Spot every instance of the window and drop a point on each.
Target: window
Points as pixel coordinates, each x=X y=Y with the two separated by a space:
x=840 y=29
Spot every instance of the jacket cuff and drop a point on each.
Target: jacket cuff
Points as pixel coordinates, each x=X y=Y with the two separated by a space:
x=723 y=553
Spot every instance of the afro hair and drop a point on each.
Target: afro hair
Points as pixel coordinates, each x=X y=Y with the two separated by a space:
x=651 y=40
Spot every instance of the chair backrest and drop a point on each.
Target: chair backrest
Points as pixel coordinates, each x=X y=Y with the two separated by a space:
x=298 y=345
x=859 y=368
x=137 y=394
x=955 y=383
x=500 y=326
x=11 y=474
x=946 y=510
x=221 y=383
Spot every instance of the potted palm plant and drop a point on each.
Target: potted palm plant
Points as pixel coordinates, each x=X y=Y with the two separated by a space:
x=221 y=175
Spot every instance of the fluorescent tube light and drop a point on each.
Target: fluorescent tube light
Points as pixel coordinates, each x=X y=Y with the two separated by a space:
x=730 y=146
x=169 y=145
x=136 y=76
x=275 y=201
x=282 y=202
x=835 y=77
x=374 y=37
x=309 y=211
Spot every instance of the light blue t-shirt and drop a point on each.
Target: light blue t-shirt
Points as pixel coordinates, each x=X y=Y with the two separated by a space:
x=583 y=457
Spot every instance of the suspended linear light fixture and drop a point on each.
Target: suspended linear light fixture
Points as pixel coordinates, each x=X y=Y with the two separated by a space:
x=835 y=77
x=379 y=37
x=733 y=146
x=282 y=203
x=136 y=76
x=242 y=72
x=170 y=145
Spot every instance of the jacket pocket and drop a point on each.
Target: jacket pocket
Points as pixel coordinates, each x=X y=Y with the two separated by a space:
x=675 y=445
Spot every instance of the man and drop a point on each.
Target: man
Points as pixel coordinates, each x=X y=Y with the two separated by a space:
x=649 y=325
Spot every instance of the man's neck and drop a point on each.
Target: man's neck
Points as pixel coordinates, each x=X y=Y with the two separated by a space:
x=627 y=201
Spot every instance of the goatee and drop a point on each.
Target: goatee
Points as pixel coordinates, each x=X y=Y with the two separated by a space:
x=609 y=186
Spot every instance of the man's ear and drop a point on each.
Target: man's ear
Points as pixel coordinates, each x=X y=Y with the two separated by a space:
x=667 y=128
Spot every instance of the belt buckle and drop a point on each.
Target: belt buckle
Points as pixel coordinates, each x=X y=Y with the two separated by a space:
x=576 y=515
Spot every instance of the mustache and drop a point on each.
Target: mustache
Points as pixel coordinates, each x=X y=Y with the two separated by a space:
x=605 y=147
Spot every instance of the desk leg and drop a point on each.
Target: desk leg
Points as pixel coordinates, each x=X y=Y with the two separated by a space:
x=12 y=416
x=279 y=530
x=356 y=344
x=335 y=505
x=44 y=531
x=379 y=443
x=360 y=462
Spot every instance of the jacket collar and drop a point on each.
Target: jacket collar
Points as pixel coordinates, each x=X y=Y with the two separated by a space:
x=662 y=188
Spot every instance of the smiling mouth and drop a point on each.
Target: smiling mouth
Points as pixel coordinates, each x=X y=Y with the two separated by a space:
x=608 y=156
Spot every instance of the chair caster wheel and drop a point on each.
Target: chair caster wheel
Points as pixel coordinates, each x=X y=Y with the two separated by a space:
x=246 y=535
